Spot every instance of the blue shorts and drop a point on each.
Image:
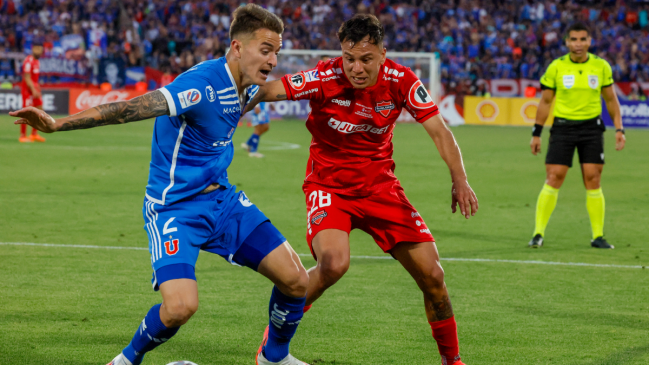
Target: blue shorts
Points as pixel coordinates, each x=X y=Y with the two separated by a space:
x=256 y=121
x=223 y=222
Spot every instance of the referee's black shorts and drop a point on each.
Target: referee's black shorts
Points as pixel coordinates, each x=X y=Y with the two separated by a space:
x=586 y=136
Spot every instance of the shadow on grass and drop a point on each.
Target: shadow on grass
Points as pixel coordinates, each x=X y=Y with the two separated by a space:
x=622 y=357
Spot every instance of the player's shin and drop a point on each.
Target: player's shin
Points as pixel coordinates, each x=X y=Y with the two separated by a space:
x=253 y=142
x=544 y=207
x=151 y=333
x=442 y=322
x=285 y=315
x=596 y=206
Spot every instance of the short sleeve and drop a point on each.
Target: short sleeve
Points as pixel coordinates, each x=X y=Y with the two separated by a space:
x=608 y=75
x=418 y=101
x=188 y=92
x=27 y=66
x=549 y=78
x=303 y=85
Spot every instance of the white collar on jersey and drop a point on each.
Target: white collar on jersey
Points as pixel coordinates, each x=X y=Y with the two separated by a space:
x=234 y=84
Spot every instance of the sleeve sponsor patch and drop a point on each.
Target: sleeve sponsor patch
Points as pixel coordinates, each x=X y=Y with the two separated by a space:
x=189 y=97
x=297 y=81
x=312 y=75
x=418 y=96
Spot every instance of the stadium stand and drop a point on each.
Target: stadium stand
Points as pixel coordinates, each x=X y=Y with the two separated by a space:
x=477 y=39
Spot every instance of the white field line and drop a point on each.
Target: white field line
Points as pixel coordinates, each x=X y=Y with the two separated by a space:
x=525 y=262
x=277 y=146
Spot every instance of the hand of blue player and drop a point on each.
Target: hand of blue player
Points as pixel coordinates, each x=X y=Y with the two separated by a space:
x=464 y=197
x=36 y=118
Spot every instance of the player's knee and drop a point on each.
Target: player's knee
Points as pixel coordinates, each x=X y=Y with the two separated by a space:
x=555 y=178
x=433 y=280
x=180 y=311
x=332 y=270
x=298 y=284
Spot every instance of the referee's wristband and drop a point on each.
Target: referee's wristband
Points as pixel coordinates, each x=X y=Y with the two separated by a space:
x=620 y=130
x=536 y=130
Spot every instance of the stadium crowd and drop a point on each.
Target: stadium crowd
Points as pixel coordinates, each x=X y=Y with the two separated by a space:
x=477 y=39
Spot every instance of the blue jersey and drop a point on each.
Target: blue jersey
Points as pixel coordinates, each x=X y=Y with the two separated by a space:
x=263 y=116
x=192 y=146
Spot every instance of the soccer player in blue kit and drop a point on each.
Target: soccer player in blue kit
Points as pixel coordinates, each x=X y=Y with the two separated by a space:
x=261 y=123
x=190 y=205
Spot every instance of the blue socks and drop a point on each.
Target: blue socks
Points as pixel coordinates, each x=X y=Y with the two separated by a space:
x=151 y=333
x=285 y=315
x=253 y=142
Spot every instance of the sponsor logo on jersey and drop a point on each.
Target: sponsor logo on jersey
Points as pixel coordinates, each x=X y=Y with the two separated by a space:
x=418 y=223
x=297 y=81
x=384 y=107
x=348 y=128
x=171 y=247
x=424 y=231
x=593 y=81
x=418 y=96
x=307 y=92
x=230 y=110
x=312 y=75
x=392 y=72
x=243 y=199
x=330 y=78
x=189 y=97
x=568 y=81
x=415 y=214
x=341 y=102
x=363 y=114
x=318 y=217
x=222 y=143
x=211 y=95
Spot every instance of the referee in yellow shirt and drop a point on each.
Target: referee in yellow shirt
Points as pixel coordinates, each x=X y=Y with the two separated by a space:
x=576 y=80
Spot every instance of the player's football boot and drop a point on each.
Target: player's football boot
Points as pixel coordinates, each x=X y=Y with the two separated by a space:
x=536 y=241
x=600 y=242
x=36 y=138
x=24 y=139
x=261 y=359
x=245 y=146
x=120 y=360
x=255 y=154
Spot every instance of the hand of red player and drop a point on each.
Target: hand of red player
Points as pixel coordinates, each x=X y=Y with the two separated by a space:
x=36 y=118
x=463 y=195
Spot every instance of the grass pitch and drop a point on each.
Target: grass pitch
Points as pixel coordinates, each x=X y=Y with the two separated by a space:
x=63 y=305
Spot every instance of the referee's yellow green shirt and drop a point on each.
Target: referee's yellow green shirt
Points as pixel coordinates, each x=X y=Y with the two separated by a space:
x=577 y=86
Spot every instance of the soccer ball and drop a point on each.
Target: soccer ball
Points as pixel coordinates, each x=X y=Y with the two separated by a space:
x=184 y=362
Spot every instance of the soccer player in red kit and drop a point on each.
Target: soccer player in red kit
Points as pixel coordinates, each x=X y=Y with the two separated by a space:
x=350 y=181
x=31 y=91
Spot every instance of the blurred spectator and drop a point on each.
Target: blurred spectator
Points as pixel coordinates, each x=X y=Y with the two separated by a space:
x=476 y=39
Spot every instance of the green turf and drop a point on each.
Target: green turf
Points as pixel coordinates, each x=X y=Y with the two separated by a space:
x=82 y=305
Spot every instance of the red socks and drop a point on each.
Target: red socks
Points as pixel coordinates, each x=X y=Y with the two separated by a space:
x=445 y=333
x=307 y=307
x=23 y=130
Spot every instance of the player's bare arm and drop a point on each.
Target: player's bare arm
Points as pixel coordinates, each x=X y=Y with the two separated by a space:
x=613 y=107
x=462 y=194
x=272 y=91
x=143 y=107
x=542 y=113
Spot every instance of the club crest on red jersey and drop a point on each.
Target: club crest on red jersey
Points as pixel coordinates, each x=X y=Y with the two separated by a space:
x=384 y=107
x=171 y=247
x=318 y=217
x=297 y=81
x=418 y=96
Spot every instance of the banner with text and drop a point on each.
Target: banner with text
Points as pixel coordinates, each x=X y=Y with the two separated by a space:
x=54 y=101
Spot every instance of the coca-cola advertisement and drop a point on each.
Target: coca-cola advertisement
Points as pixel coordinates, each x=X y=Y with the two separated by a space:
x=55 y=102
x=82 y=99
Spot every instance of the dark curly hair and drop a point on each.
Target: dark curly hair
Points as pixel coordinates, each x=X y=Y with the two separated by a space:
x=361 y=26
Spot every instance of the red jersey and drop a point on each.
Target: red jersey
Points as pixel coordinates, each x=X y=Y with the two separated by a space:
x=351 y=149
x=33 y=66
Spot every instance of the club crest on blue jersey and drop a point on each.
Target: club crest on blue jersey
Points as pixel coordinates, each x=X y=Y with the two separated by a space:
x=189 y=97
x=171 y=247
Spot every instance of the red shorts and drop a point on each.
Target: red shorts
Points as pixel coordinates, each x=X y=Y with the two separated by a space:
x=387 y=216
x=28 y=100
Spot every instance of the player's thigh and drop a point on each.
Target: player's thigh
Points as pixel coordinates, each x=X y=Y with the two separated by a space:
x=390 y=218
x=591 y=147
x=421 y=260
x=329 y=218
x=175 y=235
x=561 y=148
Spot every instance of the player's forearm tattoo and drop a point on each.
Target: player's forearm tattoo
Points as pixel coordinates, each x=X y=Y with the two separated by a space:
x=441 y=309
x=142 y=107
x=281 y=96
